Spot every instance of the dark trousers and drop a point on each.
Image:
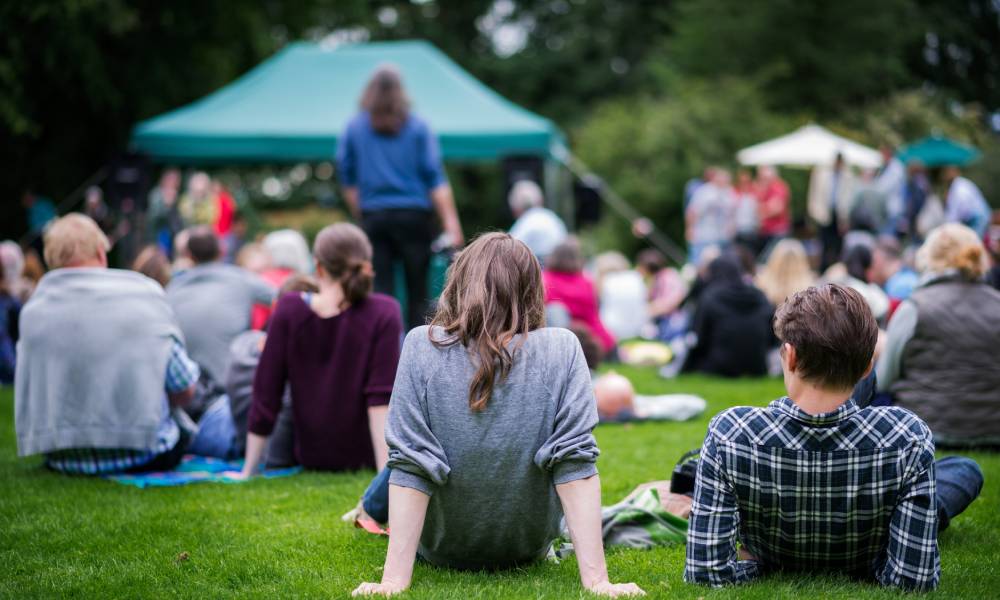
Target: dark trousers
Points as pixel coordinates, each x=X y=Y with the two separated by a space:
x=404 y=236
x=832 y=241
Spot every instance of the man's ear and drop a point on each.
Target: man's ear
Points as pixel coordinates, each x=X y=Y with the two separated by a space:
x=791 y=359
x=871 y=365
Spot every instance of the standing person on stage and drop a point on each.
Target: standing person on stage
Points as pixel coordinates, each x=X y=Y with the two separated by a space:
x=390 y=166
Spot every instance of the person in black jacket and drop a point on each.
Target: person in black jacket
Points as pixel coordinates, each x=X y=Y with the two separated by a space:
x=732 y=323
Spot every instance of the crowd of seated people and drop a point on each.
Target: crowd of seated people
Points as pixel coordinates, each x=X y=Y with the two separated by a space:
x=165 y=360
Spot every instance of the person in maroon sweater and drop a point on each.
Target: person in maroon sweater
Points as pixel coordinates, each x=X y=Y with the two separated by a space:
x=337 y=350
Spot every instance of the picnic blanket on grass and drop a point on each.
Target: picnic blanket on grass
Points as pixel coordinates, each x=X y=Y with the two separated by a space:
x=194 y=469
x=639 y=521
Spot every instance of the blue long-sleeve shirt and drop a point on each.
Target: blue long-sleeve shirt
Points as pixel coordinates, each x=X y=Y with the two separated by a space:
x=390 y=171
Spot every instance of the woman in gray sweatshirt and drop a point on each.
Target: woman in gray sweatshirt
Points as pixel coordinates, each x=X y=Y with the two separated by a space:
x=489 y=430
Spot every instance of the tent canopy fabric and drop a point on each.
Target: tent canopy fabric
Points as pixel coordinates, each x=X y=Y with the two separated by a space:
x=936 y=151
x=294 y=106
x=809 y=146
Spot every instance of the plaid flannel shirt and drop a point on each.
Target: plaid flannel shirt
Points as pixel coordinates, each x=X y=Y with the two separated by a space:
x=182 y=373
x=851 y=491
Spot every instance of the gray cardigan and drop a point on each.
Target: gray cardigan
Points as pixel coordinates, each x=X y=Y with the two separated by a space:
x=91 y=361
x=491 y=475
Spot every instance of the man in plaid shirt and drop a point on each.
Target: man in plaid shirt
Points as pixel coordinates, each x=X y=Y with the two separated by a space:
x=812 y=482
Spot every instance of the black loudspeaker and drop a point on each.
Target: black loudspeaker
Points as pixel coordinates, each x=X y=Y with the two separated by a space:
x=587 y=199
x=127 y=184
x=516 y=168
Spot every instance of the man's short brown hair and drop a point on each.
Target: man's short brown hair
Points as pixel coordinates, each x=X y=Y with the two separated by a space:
x=833 y=332
x=73 y=239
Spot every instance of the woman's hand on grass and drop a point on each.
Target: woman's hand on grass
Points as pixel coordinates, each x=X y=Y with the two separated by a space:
x=235 y=475
x=378 y=589
x=616 y=590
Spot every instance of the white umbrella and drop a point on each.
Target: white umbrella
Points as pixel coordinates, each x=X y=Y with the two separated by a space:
x=809 y=146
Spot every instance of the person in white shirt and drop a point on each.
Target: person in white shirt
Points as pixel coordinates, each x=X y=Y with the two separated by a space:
x=538 y=227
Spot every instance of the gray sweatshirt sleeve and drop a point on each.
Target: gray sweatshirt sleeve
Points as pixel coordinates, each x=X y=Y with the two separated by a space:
x=571 y=451
x=416 y=457
x=901 y=329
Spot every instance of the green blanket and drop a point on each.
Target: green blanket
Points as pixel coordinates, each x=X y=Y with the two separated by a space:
x=640 y=522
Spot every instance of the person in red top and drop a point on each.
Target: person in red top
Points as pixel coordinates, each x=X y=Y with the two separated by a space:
x=566 y=284
x=775 y=214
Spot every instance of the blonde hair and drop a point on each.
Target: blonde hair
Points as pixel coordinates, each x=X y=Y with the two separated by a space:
x=786 y=272
x=73 y=239
x=953 y=246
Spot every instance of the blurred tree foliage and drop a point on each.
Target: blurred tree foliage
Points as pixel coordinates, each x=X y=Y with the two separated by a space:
x=648 y=147
x=651 y=91
x=809 y=57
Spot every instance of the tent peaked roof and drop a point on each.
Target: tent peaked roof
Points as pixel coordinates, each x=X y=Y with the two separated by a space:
x=294 y=105
x=809 y=146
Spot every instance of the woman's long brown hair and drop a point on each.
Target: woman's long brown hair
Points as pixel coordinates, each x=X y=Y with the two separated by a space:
x=492 y=295
x=386 y=101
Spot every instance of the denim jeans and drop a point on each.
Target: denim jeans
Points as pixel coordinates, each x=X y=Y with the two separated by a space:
x=376 y=498
x=216 y=435
x=959 y=481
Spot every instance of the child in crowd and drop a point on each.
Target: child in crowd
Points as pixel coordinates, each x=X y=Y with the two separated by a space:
x=489 y=431
x=812 y=481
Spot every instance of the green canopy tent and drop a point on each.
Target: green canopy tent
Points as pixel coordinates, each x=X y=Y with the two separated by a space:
x=293 y=107
x=935 y=151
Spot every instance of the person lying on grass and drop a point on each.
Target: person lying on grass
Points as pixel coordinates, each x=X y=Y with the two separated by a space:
x=812 y=482
x=490 y=431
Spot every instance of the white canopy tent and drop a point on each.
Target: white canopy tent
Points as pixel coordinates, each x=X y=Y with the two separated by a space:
x=809 y=146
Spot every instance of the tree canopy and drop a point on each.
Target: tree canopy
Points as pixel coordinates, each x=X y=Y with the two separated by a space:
x=76 y=75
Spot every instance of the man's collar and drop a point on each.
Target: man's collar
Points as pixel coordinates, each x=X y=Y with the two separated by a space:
x=844 y=411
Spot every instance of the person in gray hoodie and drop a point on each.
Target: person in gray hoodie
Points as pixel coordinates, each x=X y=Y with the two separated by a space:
x=490 y=431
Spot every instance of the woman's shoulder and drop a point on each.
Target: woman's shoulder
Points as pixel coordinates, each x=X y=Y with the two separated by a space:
x=292 y=303
x=381 y=306
x=552 y=342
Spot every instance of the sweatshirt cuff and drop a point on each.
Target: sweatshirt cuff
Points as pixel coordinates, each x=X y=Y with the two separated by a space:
x=410 y=480
x=377 y=398
x=261 y=427
x=572 y=470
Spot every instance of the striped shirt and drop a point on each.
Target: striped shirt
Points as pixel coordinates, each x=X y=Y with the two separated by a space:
x=851 y=491
x=182 y=373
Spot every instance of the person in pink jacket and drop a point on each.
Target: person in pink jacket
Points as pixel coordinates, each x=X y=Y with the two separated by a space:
x=567 y=285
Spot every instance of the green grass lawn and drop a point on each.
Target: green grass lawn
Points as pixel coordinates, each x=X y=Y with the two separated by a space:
x=68 y=536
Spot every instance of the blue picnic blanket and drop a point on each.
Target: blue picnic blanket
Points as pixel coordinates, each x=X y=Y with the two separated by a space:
x=195 y=469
